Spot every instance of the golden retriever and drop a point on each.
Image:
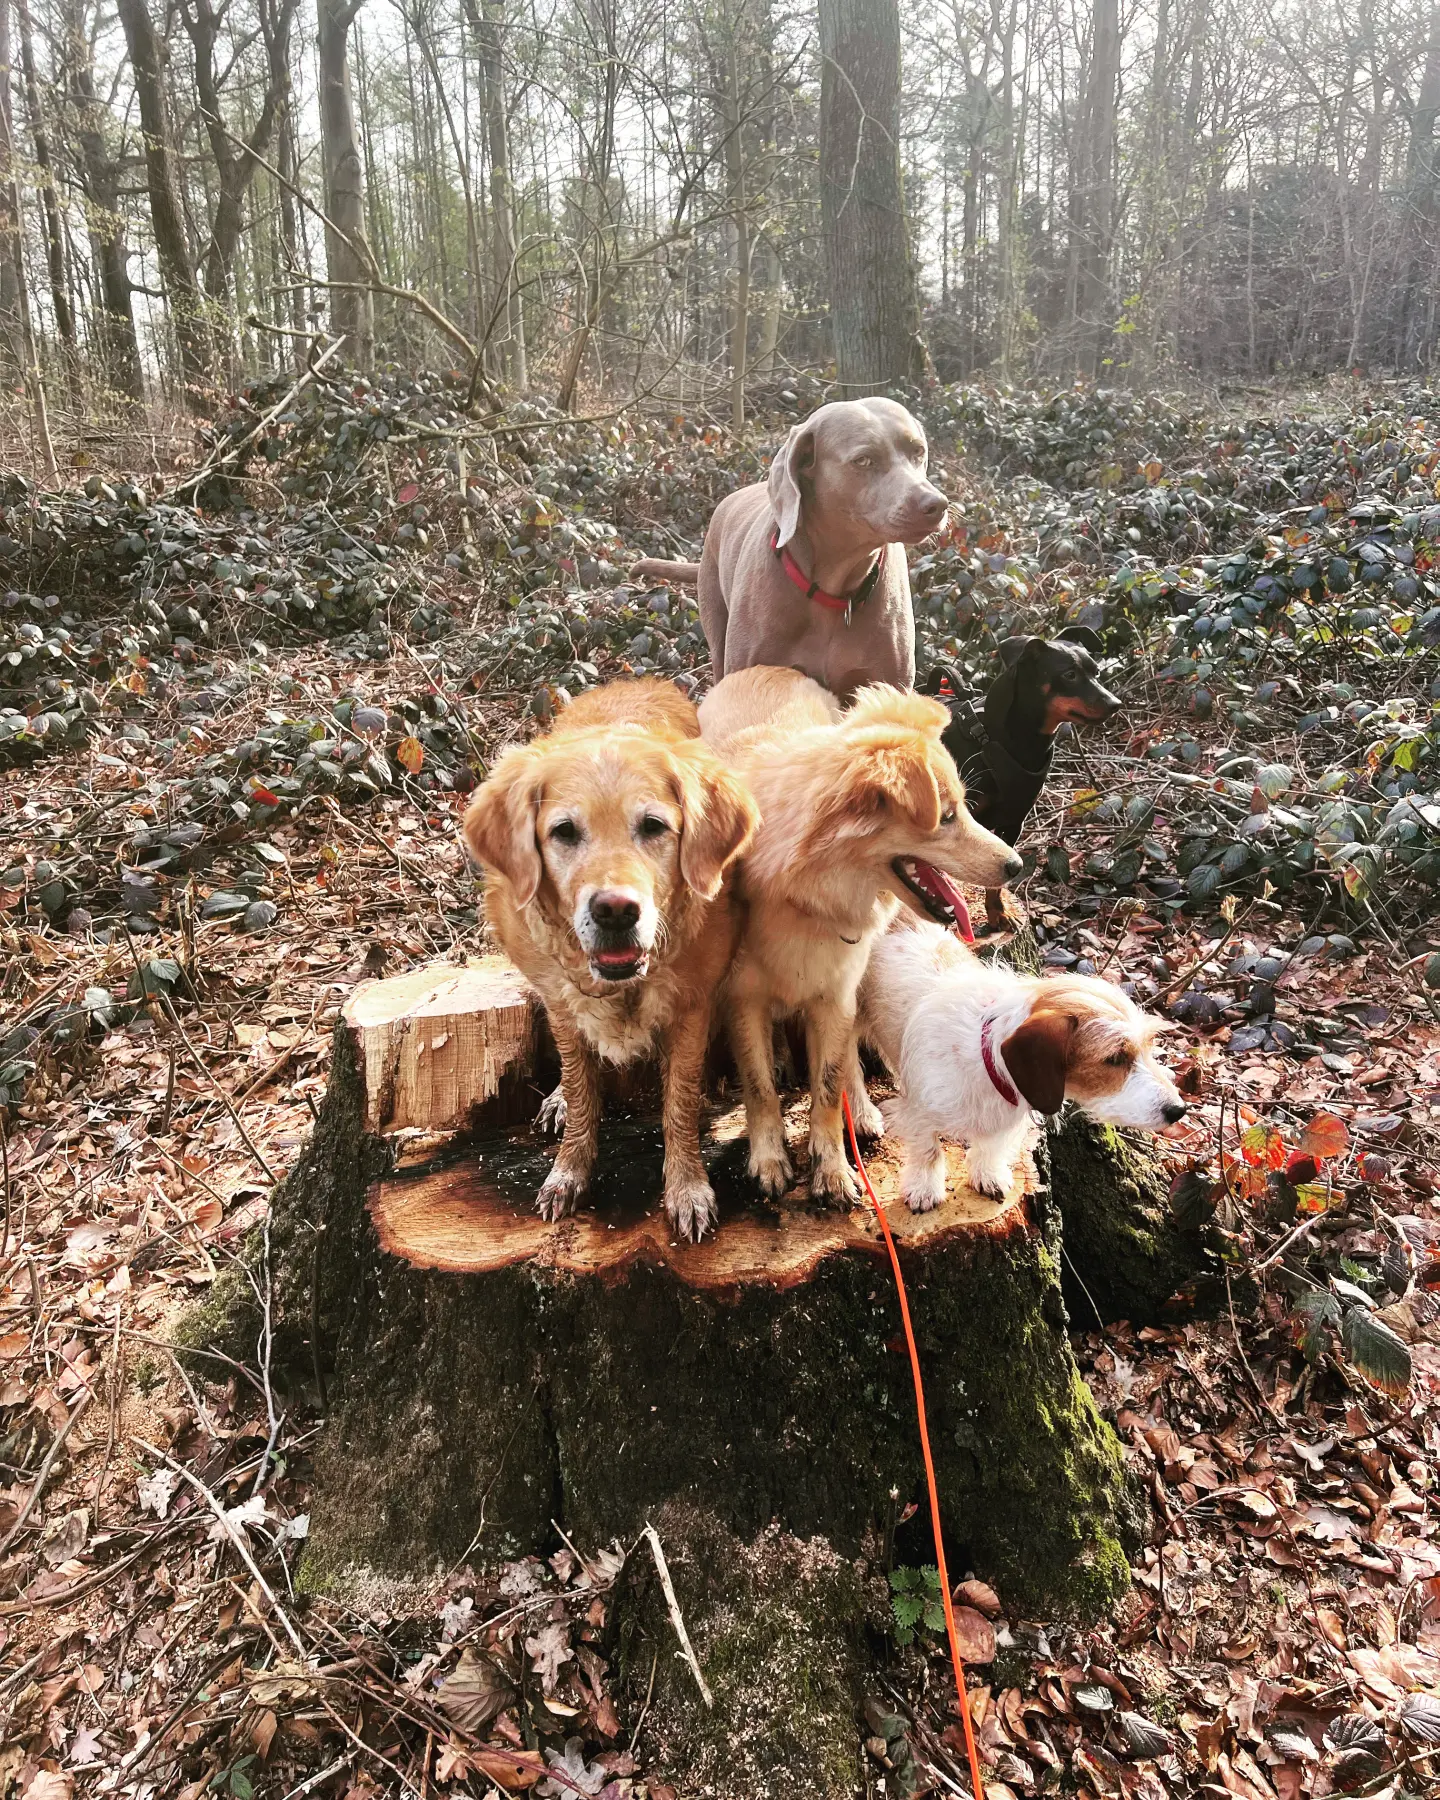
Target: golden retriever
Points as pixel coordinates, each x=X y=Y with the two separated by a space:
x=608 y=846
x=861 y=813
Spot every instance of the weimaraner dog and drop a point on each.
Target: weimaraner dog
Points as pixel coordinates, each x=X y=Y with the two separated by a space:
x=806 y=570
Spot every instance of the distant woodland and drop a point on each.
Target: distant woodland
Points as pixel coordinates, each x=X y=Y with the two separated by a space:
x=704 y=199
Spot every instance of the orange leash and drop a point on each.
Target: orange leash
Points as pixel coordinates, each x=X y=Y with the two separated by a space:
x=962 y=1699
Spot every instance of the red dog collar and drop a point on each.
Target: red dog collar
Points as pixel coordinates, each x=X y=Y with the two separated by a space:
x=994 y=1068
x=833 y=602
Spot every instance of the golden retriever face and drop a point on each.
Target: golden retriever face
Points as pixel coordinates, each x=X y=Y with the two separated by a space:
x=609 y=832
x=900 y=799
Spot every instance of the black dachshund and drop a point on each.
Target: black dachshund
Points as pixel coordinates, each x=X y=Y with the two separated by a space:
x=1003 y=748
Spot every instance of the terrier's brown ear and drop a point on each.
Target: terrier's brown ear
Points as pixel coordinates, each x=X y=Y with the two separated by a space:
x=1038 y=1058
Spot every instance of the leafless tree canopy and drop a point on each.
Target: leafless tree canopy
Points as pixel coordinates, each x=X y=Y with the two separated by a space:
x=701 y=198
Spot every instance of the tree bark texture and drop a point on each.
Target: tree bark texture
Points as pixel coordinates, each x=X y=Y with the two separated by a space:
x=54 y=237
x=347 y=258
x=11 y=271
x=100 y=177
x=149 y=57
x=487 y=21
x=874 y=299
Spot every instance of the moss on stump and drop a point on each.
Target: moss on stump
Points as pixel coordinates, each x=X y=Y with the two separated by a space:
x=1124 y=1257
x=782 y=1628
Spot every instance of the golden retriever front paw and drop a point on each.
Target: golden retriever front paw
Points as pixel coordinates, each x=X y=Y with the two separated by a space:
x=690 y=1205
x=560 y=1193
x=551 y=1116
x=869 y=1123
x=773 y=1170
x=830 y=1179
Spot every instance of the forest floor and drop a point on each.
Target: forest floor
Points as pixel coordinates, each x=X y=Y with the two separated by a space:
x=234 y=778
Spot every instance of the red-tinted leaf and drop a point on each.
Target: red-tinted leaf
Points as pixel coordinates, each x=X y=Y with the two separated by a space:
x=410 y=491
x=410 y=754
x=1325 y=1136
x=1262 y=1147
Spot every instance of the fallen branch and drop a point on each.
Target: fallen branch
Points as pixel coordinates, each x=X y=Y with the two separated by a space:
x=675 y=1617
x=228 y=455
x=236 y=1537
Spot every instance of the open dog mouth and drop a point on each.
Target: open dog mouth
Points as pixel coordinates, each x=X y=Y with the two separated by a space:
x=622 y=964
x=936 y=892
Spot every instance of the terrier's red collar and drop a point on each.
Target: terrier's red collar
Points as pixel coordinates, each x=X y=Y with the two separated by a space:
x=833 y=602
x=994 y=1068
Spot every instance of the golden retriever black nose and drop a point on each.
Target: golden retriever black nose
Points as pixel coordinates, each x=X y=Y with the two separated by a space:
x=617 y=909
x=1173 y=1111
x=1015 y=866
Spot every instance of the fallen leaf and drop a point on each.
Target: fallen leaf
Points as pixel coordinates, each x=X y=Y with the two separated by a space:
x=1325 y=1136
x=981 y=1596
x=474 y=1692
x=548 y=1649
x=975 y=1635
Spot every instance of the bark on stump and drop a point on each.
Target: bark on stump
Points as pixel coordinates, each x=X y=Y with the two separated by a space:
x=492 y=1376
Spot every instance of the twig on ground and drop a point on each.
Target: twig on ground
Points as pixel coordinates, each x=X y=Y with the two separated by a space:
x=676 y=1619
x=225 y=1099
x=51 y=1457
x=236 y=1537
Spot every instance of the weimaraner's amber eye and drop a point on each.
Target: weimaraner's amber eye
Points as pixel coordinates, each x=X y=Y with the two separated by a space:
x=861 y=462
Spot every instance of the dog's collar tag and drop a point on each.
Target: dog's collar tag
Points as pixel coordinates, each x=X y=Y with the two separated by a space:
x=845 y=603
x=994 y=1068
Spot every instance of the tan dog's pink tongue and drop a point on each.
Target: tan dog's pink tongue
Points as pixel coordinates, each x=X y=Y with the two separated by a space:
x=940 y=884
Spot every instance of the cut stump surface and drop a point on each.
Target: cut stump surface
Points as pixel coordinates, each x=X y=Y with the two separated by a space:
x=476 y=1217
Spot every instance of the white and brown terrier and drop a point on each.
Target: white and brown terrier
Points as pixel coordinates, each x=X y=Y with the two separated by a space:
x=976 y=1050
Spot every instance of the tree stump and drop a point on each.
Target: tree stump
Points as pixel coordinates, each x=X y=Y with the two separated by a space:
x=493 y=1378
x=494 y=1375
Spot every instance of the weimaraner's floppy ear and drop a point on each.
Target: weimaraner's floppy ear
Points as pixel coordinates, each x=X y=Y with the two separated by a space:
x=791 y=460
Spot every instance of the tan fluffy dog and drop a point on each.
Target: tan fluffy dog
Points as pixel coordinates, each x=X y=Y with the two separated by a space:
x=608 y=845
x=860 y=813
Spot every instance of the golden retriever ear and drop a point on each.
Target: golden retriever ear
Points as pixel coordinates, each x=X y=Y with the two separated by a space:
x=720 y=818
x=499 y=825
x=1038 y=1058
x=794 y=458
x=905 y=778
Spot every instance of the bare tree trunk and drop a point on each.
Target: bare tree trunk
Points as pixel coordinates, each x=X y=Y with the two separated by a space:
x=12 y=252
x=352 y=307
x=11 y=276
x=148 y=57
x=732 y=115
x=100 y=177
x=236 y=162
x=54 y=235
x=487 y=21
x=1097 y=222
x=1423 y=180
x=874 y=298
